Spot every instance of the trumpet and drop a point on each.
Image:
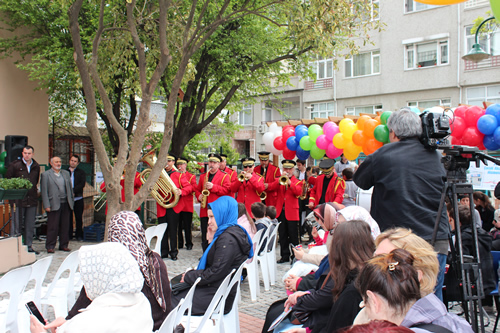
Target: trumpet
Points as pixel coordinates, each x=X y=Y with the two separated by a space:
x=262 y=196
x=241 y=177
x=284 y=179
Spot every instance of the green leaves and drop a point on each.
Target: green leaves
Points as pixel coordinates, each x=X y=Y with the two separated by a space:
x=15 y=183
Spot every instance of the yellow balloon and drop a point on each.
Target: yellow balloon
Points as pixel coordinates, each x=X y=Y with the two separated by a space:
x=349 y=130
x=340 y=141
x=351 y=151
x=344 y=123
x=440 y=2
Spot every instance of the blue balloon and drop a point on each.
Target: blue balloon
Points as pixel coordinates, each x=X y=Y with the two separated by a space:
x=489 y=143
x=487 y=124
x=494 y=110
x=496 y=136
x=292 y=143
x=302 y=154
x=301 y=131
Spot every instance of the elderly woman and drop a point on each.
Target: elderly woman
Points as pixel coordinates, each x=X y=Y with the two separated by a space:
x=113 y=282
x=230 y=245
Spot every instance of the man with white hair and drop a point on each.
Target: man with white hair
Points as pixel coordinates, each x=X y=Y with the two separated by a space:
x=407 y=181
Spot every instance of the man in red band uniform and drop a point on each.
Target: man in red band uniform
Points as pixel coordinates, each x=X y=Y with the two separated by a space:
x=233 y=175
x=218 y=184
x=171 y=215
x=287 y=210
x=328 y=187
x=271 y=174
x=186 y=215
x=137 y=187
x=250 y=189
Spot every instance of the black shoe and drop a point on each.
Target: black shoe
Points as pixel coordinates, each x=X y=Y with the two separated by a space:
x=283 y=260
x=189 y=247
x=174 y=257
x=30 y=249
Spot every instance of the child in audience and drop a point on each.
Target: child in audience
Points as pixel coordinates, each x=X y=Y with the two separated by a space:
x=245 y=220
x=271 y=215
x=259 y=213
x=350 y=188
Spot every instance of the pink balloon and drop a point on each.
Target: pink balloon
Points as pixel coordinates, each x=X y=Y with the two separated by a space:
x=332 y=151
x=457 y=126
x=331 y=130
x=472 y=137
x=472 y=115
x=279 y=143
x=460 y=111
x=322 y=142
x=288 y=154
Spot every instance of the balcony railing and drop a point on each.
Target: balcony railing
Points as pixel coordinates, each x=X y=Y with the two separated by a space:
x=493 y=61
x=318 y=84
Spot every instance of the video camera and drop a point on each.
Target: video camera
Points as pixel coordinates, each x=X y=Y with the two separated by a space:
x=435 y=127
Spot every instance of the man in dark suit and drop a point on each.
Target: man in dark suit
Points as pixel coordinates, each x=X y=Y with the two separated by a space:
x=78 y=180
x=57 y=197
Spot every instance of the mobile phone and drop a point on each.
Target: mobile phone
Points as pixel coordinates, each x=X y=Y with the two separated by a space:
x=34 y=311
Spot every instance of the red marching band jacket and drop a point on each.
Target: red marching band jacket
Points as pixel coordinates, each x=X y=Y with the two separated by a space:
x=137 y=187
x=221 y=187
x=272 y=179
x=334 y=193
x=288 y=199
x=233 y=175
x=249 y=191
x=186 y=189
x=188 y=199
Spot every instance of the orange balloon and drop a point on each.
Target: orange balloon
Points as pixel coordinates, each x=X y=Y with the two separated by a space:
x=361 y=122
x=441 y=2
x=371 y=145
x=377 y=118
x=358 y=138
x=369 y=128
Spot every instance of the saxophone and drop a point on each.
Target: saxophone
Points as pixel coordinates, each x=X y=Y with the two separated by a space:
x=305 y=189
x=205 y=192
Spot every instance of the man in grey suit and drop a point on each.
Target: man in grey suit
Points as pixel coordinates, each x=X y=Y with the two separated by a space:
x=57 y=197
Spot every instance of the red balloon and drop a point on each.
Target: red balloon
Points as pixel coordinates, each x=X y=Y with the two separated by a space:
x=460 y=111
x=288 y=154
x=279 y=143
x=457 y=126
x=472 y=137
x=472 y=115
x=481 y=146
x=288 y=133
x=456 y=141
x=288 y=127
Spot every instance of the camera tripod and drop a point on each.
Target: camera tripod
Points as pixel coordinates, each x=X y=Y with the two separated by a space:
x=456 y=162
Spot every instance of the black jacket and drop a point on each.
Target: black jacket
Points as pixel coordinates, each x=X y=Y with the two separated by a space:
x=408 y=180
x=230 y=250
x=18 y=169
x=80 y=180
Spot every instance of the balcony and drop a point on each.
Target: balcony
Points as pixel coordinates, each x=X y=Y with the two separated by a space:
x=318 y=84
x=493 y=61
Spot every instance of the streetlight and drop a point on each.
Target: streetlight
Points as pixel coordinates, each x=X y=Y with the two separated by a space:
x=477 y=54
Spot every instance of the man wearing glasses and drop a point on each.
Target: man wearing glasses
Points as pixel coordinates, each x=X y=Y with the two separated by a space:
x=250 y=189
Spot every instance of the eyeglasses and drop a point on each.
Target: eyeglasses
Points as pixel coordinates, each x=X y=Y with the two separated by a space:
x=247 y=166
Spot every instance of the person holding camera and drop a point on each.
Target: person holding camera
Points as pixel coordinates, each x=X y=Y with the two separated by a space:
x=407 y=181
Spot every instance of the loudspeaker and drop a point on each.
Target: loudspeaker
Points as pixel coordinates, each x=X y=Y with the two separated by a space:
x=14 y=145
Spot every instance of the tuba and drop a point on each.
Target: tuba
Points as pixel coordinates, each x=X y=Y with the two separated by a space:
x=164 y=189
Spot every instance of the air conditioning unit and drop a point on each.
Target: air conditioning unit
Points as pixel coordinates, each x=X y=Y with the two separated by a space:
x=262 y=128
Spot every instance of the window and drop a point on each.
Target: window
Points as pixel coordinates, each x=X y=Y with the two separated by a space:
x=478 y=95
x=323 y=68
x=476 y=3
x=245 y=115
x=430 y=103
x=268 y=112
x=290 y=110
x=357 y=110
x=413 y=6
x=363 y=64
x=375 y=7
x=322 y=110
x=427 y=54
x=489 y=42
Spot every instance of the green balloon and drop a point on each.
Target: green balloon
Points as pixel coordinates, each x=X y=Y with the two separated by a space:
x=314 y=131
x=384 y=116
x=3 y=169
x=317 y=153
x=381 y=133
x=495 y=7
x=306 y=143
x=3 y=155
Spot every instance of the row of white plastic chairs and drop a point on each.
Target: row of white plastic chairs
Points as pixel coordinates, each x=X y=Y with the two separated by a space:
x=60 y=293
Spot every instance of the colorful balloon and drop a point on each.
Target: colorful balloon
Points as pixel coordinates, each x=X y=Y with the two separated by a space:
x=370 y=126
x=302 y=154
x=457 y=126
x=301 y=131
x=472 y=137
x=340 y=141
x=496 y=135
x=292 y=143
x=288 y=154
x=358 y=138
x=306 y=143
x=371 y=146
x=385 y=115
x=330 y=129
x=361 y=121
x=472 y=115
x=322 y=142
x=314 y=131
x=279 y=144
x=441 y=2
x=332 y=151
x=487 y=124
x=317 y=153
x=490 y=143
x=381 y=133
x=351 y=151
x=495 y=8
x=494 y=110
x=456 y=141
x=344 y=124
x=460 y=111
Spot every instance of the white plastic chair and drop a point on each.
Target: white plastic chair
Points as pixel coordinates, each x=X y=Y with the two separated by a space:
x=251 y=266
x=184 y=305
x=231 y=321
x=13 y=283
x=271 y=255
x=168 y=324
x=60 y=294
x=210 y=321
x=38 y=272
x=156 y=231
x=262 y=258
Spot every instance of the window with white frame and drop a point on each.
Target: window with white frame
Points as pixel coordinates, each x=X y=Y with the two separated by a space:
x=430 y=103
x=478 y=95
x=490 y=42
x=357 y=110
x=363 y=64
x=414 y=6
x=476 y=3
x=375 y=6
x=245 y=115
x=268 y=112
x=322 y=110
x=426 y=54
x=323 y=68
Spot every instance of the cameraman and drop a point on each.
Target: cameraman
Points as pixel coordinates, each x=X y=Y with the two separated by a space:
x=408 y=180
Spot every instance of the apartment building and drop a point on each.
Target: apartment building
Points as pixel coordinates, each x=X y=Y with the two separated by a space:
x=415 y=61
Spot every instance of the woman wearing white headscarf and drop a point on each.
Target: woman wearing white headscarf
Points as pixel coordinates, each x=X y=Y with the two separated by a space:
x=113 y=282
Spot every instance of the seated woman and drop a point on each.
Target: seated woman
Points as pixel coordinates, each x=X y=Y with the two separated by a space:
x=335 y=295
x=230 y=245
x=113 y=282
x=126 y=228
